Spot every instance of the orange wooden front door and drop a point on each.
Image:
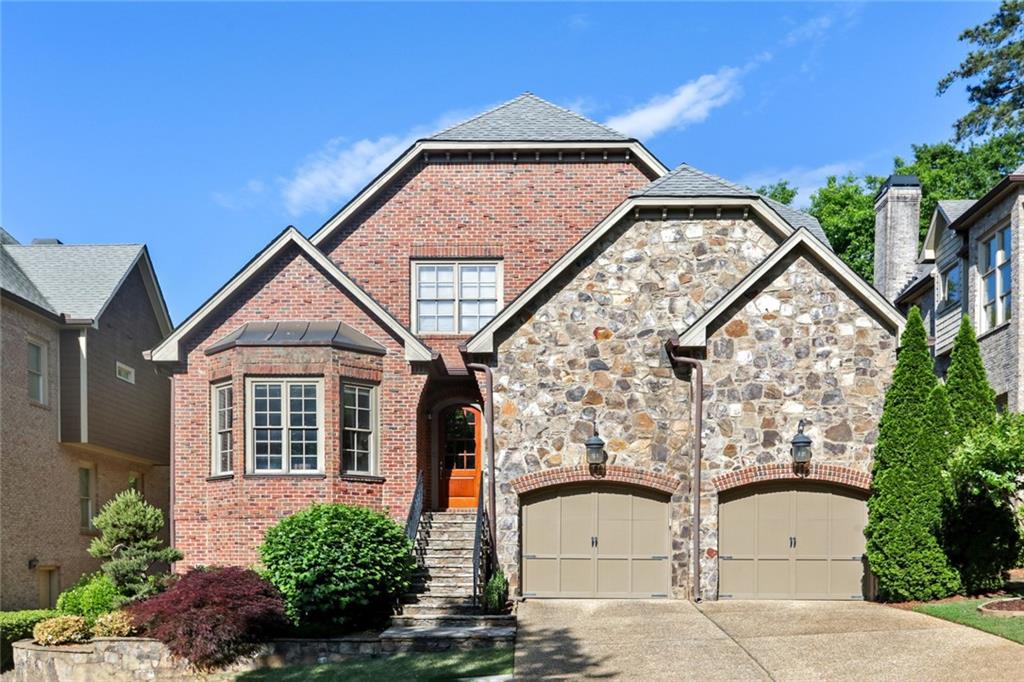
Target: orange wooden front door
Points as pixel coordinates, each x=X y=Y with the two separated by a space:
x=460 y=457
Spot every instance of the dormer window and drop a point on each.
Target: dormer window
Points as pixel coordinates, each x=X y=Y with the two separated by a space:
x=455 y=297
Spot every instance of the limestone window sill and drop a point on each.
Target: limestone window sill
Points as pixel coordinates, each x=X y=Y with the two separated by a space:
x=995 y=330
x=90 y=532
x=221 y=477
x=41 y=406
x=315 y=475
x=362 y=478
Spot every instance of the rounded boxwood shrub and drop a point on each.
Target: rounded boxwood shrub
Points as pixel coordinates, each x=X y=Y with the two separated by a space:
x=61 y=630
x=114 y=624
x=93 y=596
x=496 y=592
x=338 y=565
x=213 y=617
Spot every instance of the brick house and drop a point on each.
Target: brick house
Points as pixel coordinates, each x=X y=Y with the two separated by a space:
x=83 y=416
x=968 y=265
x=448 y=342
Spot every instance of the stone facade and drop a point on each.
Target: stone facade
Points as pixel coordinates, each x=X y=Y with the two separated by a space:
x=591 y=351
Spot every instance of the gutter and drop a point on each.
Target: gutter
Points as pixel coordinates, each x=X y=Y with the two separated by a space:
x=967 y=217
x=697 y=398
x=489 y=418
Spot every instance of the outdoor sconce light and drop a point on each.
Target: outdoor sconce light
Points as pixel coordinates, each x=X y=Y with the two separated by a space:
x=801 y=446
x=596 y=456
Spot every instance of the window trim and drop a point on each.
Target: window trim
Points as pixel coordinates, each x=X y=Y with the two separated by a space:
x=1002 y=258
x=129 y=377
x=944 y=304
x=456 y=263
x=91 y=468
x=374 y=428
x=44 y=370
x=215 y=453
x=250 y=453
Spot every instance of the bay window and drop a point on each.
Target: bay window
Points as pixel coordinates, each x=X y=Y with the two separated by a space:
x=455 y=298
x=996 y=278
x=285 y=425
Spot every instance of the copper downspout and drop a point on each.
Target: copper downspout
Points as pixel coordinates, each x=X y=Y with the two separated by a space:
x=170 y=505
x=697 y=392
x=489 y=419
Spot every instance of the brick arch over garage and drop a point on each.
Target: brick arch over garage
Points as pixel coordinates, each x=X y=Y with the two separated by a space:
x=826 y=473
x=612 y=473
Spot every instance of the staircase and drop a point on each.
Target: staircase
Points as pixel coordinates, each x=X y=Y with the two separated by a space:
x=438 y=612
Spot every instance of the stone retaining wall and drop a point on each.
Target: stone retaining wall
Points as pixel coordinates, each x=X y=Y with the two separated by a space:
x=116 y=659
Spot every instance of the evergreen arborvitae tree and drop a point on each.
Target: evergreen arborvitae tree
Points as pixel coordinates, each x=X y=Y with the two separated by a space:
x=971 y=399
x=904 y=509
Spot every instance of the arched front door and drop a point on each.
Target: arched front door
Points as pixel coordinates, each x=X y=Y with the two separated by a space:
x=460 y=450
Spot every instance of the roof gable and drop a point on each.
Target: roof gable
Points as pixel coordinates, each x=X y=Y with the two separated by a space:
x=529 y=118
x=695 y=335
x=169 y=349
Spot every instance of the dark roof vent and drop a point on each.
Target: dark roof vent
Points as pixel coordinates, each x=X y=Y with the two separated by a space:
x=46 y=240
x=898 y=181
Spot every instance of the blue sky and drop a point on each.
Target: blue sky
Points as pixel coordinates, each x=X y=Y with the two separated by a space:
x=203 y=129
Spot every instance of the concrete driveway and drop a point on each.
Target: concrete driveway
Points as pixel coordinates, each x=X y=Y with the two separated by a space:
x=752 y=640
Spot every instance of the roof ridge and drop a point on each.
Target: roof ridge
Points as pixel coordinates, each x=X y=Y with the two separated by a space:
x=575 y=113
x=717 y=178
x=497 y=107
x=94 y=244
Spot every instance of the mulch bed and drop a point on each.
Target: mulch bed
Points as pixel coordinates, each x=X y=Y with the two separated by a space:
x=1006 y=605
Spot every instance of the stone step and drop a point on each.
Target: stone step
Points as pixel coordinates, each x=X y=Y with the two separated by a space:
x=446 y=561
x=446 y=583
x=457 y=591
x=398 y=639
x=434 y=571
x=421 y=620
x=447 y=534
x=424 y=604
x=445 y=544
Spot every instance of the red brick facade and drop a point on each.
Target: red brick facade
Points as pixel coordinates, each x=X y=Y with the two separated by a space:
x=828 y=473
x=527 y=214
x=612 y=473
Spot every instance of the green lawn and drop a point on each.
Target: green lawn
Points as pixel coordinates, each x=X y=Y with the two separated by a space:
x=966 y=613
x=434 y=666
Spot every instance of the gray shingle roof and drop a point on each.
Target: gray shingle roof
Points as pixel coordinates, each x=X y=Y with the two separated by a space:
x=954 y=208
x=529 y=118
x=923 y=272
x=75 y=280
x=687 y=181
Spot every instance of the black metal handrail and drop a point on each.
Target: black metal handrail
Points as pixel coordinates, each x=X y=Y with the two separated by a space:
x=412 y=521
x=480 y=546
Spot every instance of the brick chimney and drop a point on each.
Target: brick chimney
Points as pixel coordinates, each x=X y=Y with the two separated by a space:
x=897 y=220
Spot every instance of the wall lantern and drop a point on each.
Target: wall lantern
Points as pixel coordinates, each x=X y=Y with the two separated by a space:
x=801 y=446
x=596 y=456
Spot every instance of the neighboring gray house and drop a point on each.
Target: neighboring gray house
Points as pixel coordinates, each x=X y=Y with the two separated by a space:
x=82 y=414
x=969 y=264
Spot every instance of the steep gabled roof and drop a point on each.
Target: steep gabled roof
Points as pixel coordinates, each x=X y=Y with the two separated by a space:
x=954 y=208
x=695 y=335
x=687 y=181
x=76 y=282
x=169 y=349
x=529 y=118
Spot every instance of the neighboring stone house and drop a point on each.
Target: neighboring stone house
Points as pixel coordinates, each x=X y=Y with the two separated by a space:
x=504 y=291
x=82 y=415
x=969 y=265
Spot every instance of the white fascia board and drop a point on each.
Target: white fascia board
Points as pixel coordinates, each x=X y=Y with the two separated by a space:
x=483 y=340
x=931 y=241
x=636 y=149
x=168 y=350
x=696 y=335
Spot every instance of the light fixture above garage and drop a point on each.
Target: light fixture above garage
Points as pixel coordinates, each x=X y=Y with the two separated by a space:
x=801 y=446
x=596 y=456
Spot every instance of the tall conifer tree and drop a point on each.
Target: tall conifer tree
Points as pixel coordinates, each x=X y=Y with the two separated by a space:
x=971 y=399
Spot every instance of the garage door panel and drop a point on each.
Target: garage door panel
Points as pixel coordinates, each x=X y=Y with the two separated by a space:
x=847 y=579
x=774 y=578
x=811 y=527
x=649 y=527
x=650 y=576
x=738 y=577
x=541 y=575
x=774 y=520
x=613 y=576
x=739 y=517
x=576 y=575
x=577 y=524
x=849 y=516
x=540 y=531
x=812 y=578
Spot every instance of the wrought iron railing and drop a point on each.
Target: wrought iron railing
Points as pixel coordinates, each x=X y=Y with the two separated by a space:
x=482 y=548
x=412 y=522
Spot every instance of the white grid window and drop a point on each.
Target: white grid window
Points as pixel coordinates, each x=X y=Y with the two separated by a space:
x=223 y=419
x=455 y=297
x=36 y=372
x=285 y=426
x=996 y=278
x=358 y=421
x=85 y=497
x=124 y=372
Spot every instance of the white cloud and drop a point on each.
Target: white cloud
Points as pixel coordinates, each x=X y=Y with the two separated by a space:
x=806 y=180
x=812 y=29
x=690 y=103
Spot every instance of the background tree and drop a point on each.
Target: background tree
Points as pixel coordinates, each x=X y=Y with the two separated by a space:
x=971 y=398
x=780 y=191
x=845 y=207
x=129 y=544
x=904 y=509
x=995 y=70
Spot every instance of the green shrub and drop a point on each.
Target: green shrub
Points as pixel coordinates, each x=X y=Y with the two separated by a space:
x=15 y=625
x=114 y=624
x=129 y=544
x=971 y=398
x=338 y=564
x=93 y=596
x=61 y=630
x=984 y=531
x=496 y=592
x=904 y=510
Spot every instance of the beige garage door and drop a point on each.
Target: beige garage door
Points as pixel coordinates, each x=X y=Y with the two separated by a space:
x=596 y=541
x=792 y=542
